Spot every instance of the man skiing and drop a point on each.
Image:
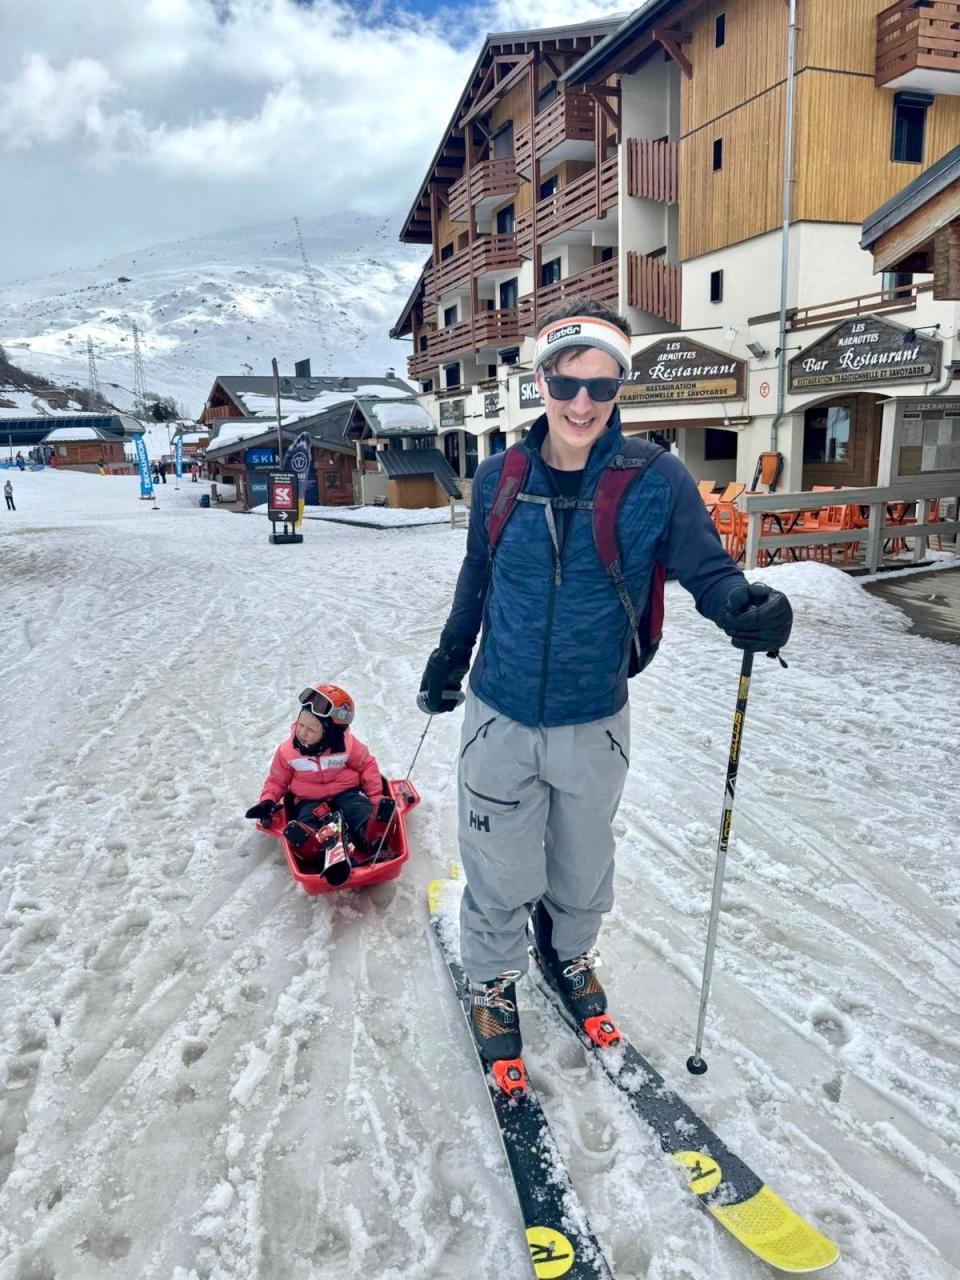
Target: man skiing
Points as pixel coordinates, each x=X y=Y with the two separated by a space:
x=546 y=733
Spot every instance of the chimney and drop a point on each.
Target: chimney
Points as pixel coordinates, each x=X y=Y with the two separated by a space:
x=391 y=373
x=301 y=369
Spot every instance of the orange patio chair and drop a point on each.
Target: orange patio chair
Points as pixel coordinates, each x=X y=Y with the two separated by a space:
x=731 y=524
x=707 y=488
x=732 y=492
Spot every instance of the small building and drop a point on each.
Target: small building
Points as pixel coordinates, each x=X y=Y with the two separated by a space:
x=81 y=441
x=352 y=423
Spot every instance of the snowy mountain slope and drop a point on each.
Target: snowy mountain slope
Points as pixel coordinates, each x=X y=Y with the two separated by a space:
x=205 y=1075
x=216 y=304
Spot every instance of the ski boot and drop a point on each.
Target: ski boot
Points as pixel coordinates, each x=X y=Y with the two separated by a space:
x=321 y=850
x=575 y=982
x=496 y=1029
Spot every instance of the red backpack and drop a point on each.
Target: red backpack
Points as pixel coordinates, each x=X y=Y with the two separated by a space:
x=615 y=479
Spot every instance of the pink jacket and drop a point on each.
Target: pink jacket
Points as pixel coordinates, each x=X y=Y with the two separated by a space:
x=320 y=776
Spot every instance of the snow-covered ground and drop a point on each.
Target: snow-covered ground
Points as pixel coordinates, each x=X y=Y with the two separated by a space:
x=206 y=1074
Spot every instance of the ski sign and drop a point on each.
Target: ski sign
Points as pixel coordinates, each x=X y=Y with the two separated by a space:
x=282 y=497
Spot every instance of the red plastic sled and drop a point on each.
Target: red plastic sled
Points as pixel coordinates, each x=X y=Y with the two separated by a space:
x=392 y=856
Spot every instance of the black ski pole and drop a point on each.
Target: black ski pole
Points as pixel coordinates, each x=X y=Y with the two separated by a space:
x=695 y=1063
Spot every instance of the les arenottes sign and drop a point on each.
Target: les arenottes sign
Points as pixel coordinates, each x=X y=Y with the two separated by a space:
x=675 y=369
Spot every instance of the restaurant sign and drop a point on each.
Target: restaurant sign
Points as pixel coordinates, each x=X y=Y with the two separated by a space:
x=865 y=350
x=491 y=404
x=451 y=413
x=675 y=369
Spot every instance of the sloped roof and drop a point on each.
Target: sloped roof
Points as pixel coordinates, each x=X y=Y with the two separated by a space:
x=612 y=53
x=105 y=426
x=255 y=394
x=396 y=417
x=923 y=188
x=420 y=462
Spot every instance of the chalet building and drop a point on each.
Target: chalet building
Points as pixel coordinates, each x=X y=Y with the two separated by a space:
x=80 y=441
x=647 y=169
x=354 y=424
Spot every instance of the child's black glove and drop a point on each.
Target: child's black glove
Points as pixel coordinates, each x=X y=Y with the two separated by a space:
x=263 y=812
x=757 y=618
x=442 y=678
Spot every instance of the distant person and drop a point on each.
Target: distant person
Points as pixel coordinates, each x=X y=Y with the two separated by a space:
x=20 y=461
x=52 y=458
x=102 y=467
x=163 y=471
x=194 y=472
x=8 y=494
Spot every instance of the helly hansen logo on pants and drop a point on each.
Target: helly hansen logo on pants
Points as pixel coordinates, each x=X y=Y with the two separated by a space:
x=479 y=822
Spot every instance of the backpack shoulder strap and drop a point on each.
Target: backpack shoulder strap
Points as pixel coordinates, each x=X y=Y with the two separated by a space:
x=513 y=475
x=615 y=480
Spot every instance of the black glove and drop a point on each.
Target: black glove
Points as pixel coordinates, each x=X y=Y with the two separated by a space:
x=757 y=618
x=263 y=812
x=443 y=675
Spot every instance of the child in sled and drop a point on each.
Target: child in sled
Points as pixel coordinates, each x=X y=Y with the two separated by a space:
x=335 y=783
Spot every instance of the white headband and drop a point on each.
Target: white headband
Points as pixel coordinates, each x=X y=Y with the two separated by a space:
x=583 y=331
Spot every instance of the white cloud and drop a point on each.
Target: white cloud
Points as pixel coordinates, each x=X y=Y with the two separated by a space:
x=45 y=104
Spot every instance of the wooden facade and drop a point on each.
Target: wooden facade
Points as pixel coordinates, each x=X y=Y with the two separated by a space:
x=842 y=132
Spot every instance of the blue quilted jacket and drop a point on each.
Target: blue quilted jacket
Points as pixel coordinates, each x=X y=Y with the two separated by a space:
x=556 y=640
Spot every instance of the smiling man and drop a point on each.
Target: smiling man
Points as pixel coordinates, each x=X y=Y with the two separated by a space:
x=571 y=535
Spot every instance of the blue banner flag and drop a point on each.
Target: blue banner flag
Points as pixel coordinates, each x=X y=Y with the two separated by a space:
x=178 y=456
x=143 y=462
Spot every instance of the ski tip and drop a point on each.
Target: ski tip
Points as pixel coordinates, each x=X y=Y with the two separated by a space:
x=435 y=895
x=772 y=1230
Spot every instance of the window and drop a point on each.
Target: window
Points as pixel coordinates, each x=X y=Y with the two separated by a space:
x=897 y=284
x=716 y=286
x=720 y=30
x=463 y=239
x=497 y=441
x=607 y=253
x=469 y=455
x=449 y=315
x=506 y=220
x=547 y=95
x=491 y=370
x=446 y=252
x=550 y=272
x=422 y=342
x=510 y=355
x=451 y=375
x=548 y=188
x=909 y=119
x=826 y=433
x=719 y=446
x=451 y=450
x=508 y=295
x=717 y=154
x=426 y=384
x=503 y=141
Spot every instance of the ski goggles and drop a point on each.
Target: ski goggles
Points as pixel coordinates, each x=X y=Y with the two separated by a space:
x=600 y=390
x=319 y=704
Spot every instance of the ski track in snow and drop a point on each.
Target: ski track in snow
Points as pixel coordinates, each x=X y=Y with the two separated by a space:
x=206 y=1075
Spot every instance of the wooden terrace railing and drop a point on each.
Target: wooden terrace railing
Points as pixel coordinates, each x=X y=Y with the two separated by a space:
x=652 y=169
x=488 y=253
x=653 y=285
x=486 y=329
x=600 y=282
x=917 y=35
x=901 y=298
x=579 y=201
x=569 y=118
x=485 y=180
x=880 y=528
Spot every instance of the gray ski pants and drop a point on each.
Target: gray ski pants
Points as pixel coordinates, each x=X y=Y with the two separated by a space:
x=536 y=821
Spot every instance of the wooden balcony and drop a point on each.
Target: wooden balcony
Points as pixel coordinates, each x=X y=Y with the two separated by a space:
x=486 y=329
x=653 y=285
x=901 y=298
x=918 y=46
x=565 y=130
x=421 y=365
x=600 y=282
x=488 y=253
x=489 y=180
x=581 y=201
x=652 y=169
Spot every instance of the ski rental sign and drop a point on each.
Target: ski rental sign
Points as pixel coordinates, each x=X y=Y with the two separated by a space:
x=143 y=462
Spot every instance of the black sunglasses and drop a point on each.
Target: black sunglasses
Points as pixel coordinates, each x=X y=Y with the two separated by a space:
x=598 y=389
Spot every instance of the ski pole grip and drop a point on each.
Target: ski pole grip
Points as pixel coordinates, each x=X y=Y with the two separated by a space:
x=449 y=695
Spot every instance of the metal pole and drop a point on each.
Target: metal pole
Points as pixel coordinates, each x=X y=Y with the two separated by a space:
x=695 y=1064
x=276 y=394
x=785 y=235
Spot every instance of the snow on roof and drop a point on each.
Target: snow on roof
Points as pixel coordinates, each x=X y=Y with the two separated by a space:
x=294 y=407
x=391 y=418
x=232 y=430
x=381 y=391
x=74 y=433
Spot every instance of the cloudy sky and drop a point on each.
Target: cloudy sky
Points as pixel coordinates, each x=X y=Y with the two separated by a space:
x=139 y=121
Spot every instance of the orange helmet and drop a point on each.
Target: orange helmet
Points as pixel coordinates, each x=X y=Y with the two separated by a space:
x=328 y=702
